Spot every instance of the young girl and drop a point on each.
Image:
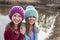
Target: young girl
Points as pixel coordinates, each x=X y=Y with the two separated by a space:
x=14 y=30
x=31 y=16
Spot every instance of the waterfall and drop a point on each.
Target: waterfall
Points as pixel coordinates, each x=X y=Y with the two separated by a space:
x=46 y=28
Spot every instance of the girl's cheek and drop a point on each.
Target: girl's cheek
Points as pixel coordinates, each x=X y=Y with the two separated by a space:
x=20 y=18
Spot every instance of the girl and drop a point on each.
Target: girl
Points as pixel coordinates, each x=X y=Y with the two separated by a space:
x=31 y=16
x=14 y=30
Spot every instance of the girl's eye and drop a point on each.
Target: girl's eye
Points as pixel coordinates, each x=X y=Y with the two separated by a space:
x=14 y=15
x=33 y=17
x=19 y=16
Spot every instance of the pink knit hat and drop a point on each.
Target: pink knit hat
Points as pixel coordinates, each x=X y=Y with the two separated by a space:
x=16 y=9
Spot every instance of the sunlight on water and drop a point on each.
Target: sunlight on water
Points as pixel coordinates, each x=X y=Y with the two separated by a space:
x=46 y=32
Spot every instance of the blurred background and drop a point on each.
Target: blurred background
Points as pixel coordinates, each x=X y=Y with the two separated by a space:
x=49 y=16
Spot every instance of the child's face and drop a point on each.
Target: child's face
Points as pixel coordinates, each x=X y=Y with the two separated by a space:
x=31 y=20
x=16 y=18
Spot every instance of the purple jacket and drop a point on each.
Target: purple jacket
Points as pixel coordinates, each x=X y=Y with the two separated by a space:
x=9 y=34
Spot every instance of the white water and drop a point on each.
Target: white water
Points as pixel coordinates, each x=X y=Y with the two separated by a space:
x=47 y=32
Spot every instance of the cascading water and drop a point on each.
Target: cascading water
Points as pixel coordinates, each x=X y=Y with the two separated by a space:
x=46 y=25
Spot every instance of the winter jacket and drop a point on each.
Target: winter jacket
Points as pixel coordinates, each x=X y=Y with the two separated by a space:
x=9 y=34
